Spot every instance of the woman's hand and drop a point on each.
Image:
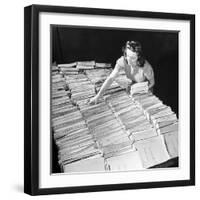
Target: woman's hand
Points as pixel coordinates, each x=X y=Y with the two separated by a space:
x=94 y=100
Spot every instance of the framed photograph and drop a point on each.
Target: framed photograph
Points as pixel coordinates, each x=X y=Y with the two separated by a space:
x=109 y=99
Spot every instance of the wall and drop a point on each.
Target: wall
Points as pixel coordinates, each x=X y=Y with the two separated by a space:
x=11 y=105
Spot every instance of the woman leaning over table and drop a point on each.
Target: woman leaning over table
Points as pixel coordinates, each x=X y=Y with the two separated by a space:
x=136 y=68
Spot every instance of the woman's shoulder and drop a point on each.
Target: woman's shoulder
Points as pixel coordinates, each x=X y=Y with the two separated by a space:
x=121 y=61
x=148 y=70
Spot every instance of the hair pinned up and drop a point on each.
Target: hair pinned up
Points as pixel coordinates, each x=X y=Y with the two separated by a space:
x=135 y=46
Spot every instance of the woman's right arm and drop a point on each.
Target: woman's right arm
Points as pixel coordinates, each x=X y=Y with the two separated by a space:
x=106 y=84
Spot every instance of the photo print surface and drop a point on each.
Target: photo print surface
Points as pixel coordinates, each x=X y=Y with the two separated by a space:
x=114 y=99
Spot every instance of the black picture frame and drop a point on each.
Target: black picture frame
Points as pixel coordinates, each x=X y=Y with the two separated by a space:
x=31 y=98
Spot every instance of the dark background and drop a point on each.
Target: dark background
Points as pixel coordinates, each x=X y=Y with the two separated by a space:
x=160 y=48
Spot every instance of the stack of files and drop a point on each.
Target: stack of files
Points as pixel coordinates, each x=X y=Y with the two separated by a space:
x=169 y=130
x=139 y=88
x=131 y=117
x=125 y=109
x=85 y=65
x=148 y=101
x=167 y=126
x=71 y=134
x=67 y=123
x=114 y=129
x=58 y=85
x=67 y=120
x=102 y=65
x=114 y=87
x=152 y=106
x=86 y=165
x=87 y=152
x=118 y=149
x=57 y=78
x=171 y=141
x=152 y=151
x=77 y=145
x=69 y=70
x=63 y=100
x=67 y=65
x=80 y=89
x=59 y=93
x=75 y=78
x=161 y=112
x=162 y=118
x=126 y=162
x=60 y=98
x=143 y=134
x=58 y=82
x=159 y=122
x=103 y=125
x=62 y=109
x=138 y=97
x=97 y=76
x=60 y=101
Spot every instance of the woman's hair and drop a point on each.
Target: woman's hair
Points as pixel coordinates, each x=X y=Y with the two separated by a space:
x=135 y=47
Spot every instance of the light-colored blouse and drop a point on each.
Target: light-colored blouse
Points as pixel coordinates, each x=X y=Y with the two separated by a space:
x=136 y=74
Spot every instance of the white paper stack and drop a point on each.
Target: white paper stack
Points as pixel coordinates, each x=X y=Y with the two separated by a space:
x=86 y=165
x=139 y=88
x=119 y=133
x=97 y=75
x=125 y=162
x=67 y=65
x=69 y=71
x=131 y=117
x=163 y=119
x=104 y=126
x=80 y=89
x=152 y=151
x=114 y=88
x=82 y=65
x=103 y=65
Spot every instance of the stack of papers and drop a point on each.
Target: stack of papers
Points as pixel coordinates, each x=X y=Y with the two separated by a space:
x=125 y=162
x=152 y=151
x=122 y=132
x=81 y=65
x=86 y=165
x=68 y=68
x=67 y=65
x=81 y=89
x=103 y=65
x=138 y=88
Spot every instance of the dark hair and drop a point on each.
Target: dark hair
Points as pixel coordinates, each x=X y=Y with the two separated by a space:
x=135 y=47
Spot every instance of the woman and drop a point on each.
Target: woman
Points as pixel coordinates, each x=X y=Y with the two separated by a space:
x=136 y=68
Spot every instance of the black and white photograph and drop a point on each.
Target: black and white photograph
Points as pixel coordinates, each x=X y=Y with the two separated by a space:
x=114 y=99
x=109 y=100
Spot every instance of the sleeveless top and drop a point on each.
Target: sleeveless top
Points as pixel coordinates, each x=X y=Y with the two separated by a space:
x=136 y=74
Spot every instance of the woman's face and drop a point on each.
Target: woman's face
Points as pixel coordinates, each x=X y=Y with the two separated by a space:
x=131 y=57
